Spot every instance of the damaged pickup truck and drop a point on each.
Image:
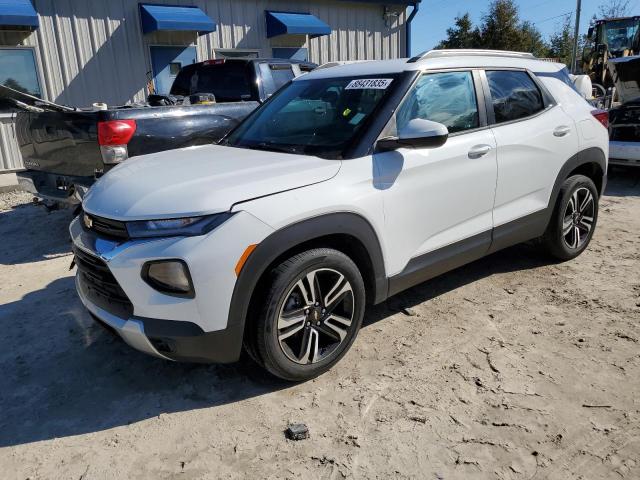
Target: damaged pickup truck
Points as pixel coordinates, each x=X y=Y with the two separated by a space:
x=65 y=149
x=624 y=118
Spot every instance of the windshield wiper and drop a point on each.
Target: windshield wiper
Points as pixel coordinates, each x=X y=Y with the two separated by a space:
x=275 y=147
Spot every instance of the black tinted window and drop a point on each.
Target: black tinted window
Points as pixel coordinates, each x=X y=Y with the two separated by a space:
x=514 y=95
x=228 y=81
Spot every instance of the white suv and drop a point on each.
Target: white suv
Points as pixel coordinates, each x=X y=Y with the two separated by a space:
x=349 y=185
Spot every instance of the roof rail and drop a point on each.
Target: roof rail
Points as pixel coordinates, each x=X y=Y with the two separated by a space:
x=338 y=63
x=468 y=52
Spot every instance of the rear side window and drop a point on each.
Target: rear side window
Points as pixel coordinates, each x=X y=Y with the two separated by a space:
x=275 y=76
x=514 y=95
x=447 y=98
x=281 y=74
x=229 y=81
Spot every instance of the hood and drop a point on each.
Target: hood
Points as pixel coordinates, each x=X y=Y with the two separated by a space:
x=199 y=180
x=625 y=72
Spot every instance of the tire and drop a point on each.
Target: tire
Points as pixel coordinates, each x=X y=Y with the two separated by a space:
x=323 y=333
x=569 y=233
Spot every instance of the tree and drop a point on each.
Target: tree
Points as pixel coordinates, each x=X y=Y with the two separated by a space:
x=501 y=29
x=614 y=8
x=462 y=35
x=532 y=40
x=500 y=26
x=561 y=42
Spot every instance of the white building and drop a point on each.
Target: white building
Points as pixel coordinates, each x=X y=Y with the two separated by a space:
x=77 y=52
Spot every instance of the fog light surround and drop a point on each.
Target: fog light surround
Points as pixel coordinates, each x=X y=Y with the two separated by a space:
x=170 y=277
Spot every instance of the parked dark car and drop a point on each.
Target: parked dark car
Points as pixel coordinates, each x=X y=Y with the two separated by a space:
x=65 y=149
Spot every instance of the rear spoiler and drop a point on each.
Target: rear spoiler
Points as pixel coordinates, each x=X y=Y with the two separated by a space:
x=14 y=99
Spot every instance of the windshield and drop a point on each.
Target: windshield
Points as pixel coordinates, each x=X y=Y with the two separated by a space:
x=228 y=82
x=620 y=33
x=314 y=117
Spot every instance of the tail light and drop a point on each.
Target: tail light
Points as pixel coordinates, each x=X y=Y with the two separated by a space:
x=602 y=116
x=113 y=137
x=218 y=61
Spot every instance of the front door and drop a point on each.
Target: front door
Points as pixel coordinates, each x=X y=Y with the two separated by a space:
x=439 y=197
x=166 y=62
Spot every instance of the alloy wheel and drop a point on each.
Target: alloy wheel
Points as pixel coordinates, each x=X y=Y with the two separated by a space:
x=578 y=218
x=316 y=316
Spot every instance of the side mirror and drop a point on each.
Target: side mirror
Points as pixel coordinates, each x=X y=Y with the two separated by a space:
x=590 y=33
x=418 y=133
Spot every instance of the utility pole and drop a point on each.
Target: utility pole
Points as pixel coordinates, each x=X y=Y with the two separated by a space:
x=574 y=55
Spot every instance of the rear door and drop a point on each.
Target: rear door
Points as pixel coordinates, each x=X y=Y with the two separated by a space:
x=535 y=137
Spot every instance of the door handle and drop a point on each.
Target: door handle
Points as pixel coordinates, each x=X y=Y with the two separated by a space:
x=479 y=151
x=561 y=131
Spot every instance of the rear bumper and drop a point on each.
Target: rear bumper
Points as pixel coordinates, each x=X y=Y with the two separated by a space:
x=624 y=153
x=54 y=187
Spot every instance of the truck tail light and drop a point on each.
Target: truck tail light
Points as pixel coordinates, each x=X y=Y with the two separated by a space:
x=113 y=137
x=602 y=116
x=218 y=61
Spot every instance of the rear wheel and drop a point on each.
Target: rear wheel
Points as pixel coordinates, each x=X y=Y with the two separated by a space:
x=311 y=314
x=574 y=218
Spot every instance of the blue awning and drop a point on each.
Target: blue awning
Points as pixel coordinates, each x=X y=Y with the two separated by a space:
x=286 y=23
x=18 y=14
x=164 y=17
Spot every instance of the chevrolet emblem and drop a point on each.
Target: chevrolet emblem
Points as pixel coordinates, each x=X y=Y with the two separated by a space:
x=87 y=221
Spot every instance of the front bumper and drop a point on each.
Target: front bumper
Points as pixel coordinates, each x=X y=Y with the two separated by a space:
x=624 y=153
x=110 y=285
x=166 y=339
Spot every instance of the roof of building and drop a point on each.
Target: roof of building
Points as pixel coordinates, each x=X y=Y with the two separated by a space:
x=438 y=59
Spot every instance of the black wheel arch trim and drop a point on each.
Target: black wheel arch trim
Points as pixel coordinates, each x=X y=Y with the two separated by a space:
x=291 y=236
x=592 y=155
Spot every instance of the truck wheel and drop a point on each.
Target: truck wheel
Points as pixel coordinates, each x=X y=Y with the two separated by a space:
x=312 y=312
x=574 y=219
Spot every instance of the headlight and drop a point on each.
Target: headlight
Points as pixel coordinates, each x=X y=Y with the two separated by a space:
x=175 y=227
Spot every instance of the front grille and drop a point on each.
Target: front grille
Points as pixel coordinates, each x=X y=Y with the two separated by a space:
x=105 y=226
x=100 y=286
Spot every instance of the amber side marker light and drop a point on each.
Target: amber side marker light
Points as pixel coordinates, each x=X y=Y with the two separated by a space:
x=244 y=257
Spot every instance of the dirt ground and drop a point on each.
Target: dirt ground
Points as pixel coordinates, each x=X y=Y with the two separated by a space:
x=511 y=368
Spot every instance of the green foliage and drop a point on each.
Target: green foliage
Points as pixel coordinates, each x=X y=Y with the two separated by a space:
x=500 y=29
x=462 y=35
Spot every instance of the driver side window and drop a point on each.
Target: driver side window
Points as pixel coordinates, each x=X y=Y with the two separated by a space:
x=448 y=98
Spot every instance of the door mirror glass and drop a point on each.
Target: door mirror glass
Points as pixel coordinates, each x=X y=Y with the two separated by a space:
x=417 y=133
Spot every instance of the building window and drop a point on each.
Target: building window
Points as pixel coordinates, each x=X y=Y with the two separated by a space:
x=236 y=53
x=18 y=70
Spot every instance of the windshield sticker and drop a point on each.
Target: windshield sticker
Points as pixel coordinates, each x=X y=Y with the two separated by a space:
x=357 y=118
x=369 y=83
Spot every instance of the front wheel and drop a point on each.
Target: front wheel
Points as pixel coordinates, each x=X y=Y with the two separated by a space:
x=574 y=218
x=311 y=315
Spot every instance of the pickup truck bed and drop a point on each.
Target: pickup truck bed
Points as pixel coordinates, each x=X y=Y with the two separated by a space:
x=61 y=149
